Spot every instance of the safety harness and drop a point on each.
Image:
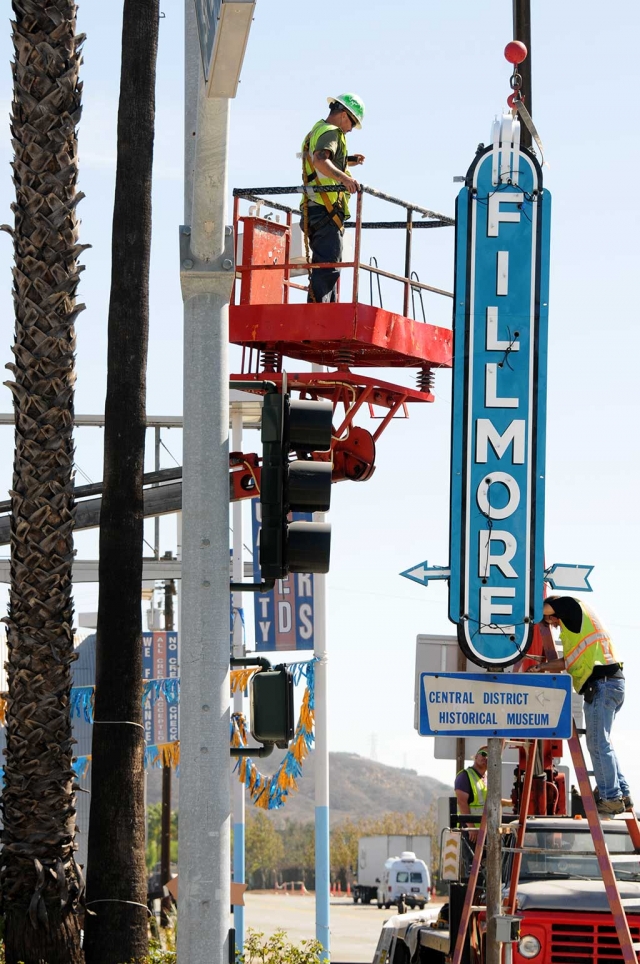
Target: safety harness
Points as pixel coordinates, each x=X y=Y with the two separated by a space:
x=332 y=210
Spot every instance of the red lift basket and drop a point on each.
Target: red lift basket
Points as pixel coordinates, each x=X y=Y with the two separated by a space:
x=342 y=334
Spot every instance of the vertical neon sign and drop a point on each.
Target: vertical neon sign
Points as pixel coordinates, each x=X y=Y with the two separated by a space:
x=499 y=402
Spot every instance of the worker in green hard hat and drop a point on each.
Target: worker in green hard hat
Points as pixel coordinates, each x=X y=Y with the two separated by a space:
x=325 y=161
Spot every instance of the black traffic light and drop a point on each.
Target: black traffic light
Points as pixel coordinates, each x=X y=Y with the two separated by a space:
x=271 y=702
x=302 y=485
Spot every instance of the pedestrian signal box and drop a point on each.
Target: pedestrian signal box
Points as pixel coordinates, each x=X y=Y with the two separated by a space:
x=271 y=700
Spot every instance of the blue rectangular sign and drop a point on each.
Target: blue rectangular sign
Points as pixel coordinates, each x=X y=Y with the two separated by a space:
x=495 y=704
x=499 y=404
x=284 y=617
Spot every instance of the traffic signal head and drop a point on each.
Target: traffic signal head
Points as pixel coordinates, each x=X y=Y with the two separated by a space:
x=302 y=485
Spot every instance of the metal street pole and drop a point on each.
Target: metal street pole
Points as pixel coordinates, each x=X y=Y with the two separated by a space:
x=321 y=754
x=238 y=697
x=206 y=276
x=156 y=522
x=494 y=847
x=522 y=31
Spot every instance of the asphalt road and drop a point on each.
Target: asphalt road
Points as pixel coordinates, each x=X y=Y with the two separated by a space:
x=355 y=928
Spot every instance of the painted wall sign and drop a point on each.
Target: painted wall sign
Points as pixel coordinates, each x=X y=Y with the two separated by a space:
x=284 y=617
x=495 y=704
x=499 y=402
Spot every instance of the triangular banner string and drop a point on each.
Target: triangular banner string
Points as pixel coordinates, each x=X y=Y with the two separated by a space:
x=270 y=793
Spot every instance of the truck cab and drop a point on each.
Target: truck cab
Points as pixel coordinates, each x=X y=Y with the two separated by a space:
x=405 y=879
x=561 y=900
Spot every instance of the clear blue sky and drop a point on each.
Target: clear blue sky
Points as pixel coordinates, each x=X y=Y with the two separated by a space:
x=433 y=77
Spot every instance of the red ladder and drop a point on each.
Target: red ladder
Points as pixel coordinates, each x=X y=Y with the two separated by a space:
x=616 y=904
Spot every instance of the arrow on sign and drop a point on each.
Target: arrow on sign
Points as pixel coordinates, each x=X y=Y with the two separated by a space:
x=565 y=576
x=422 y=573
x=559 y=576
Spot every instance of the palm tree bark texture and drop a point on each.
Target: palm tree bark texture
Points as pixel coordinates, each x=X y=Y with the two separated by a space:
x=116 y=922
x=40 y=881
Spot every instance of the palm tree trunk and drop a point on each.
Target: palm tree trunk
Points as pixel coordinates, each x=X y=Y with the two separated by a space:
x=40 y=881
x=116 y=928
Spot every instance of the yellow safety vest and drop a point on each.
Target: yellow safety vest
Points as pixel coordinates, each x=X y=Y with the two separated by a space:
x=590 y=647
x=330 y=199
x=478 y=791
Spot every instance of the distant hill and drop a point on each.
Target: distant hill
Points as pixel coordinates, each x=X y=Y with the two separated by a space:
x=358 y=787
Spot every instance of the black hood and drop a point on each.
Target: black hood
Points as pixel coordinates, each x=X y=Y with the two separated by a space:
x=568 y=610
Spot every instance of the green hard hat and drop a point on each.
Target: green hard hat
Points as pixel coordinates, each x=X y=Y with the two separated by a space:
x=352 y=103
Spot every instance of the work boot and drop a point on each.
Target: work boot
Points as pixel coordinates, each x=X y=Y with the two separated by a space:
x=608 y=808
x=627 y=800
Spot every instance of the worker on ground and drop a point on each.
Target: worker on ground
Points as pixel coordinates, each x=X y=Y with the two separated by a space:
x=596 y=671
x=325 y=161
x=471 y=791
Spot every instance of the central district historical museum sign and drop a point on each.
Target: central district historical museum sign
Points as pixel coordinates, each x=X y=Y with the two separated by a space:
x=499 y=403
x=492 y=704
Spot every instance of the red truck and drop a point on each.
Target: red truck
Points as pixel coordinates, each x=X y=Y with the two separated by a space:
x=561 y=902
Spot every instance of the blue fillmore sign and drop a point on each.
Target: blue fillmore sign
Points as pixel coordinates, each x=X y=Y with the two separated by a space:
x=495 y=704
x=499 y=402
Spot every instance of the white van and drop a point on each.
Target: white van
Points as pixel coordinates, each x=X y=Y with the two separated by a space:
x=404 y=878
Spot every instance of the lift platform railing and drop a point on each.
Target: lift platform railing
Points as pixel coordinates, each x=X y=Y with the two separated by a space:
x=429 y=219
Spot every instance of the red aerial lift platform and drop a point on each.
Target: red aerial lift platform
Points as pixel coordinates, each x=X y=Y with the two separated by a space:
x=327 y=334
x=342 y=336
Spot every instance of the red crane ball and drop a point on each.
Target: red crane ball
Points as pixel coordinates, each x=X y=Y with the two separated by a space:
x=515 y=52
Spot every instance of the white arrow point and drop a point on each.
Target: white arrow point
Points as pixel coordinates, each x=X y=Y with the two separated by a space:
x=569 y=577
x=420 y=572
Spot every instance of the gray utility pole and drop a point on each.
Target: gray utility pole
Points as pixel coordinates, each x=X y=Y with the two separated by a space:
x=206 y=274
x=494 y=847
x=522 y=31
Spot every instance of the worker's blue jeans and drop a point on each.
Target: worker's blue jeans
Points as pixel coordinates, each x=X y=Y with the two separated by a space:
x=599 y=716
x=325 y=241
